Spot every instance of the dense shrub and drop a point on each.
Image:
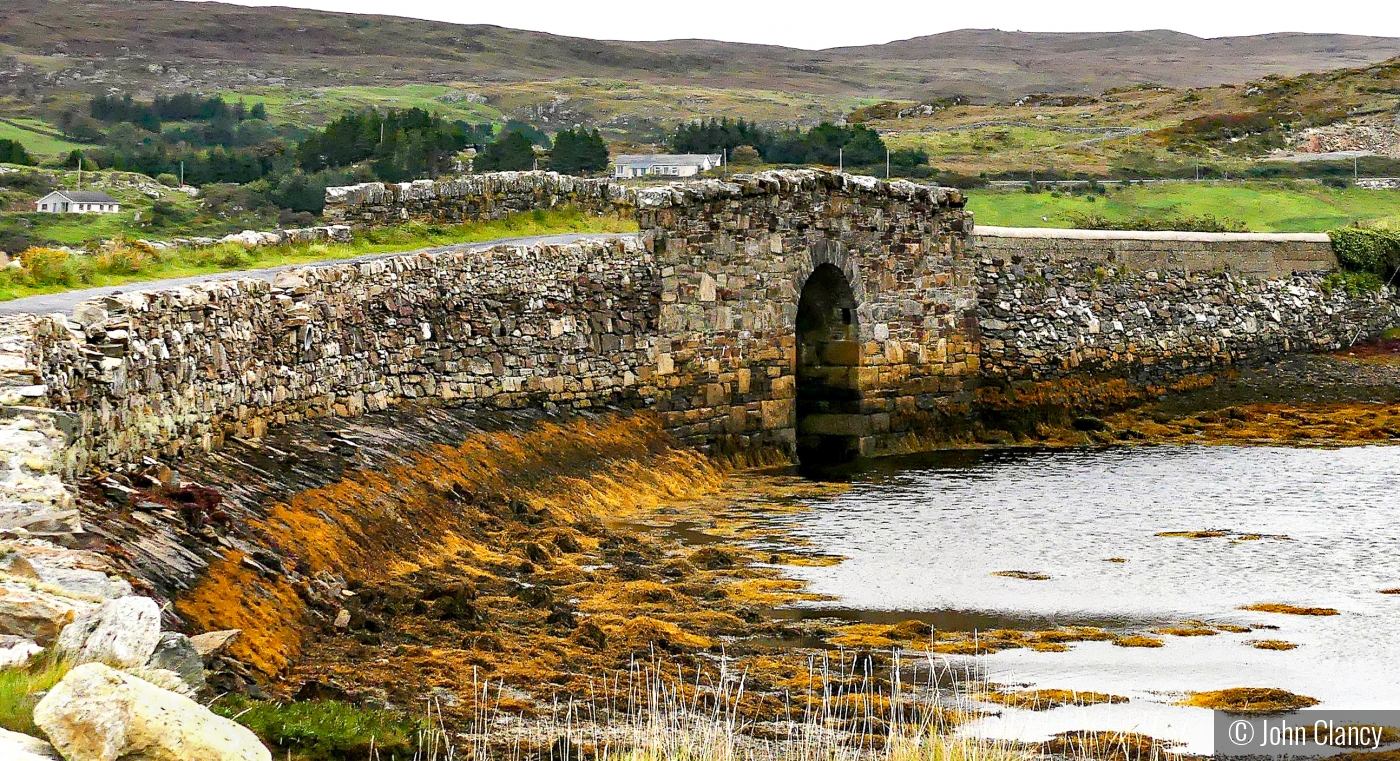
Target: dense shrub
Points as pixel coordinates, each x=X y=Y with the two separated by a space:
x=1206 y=223
x=1361 y=249
x=50 y=266
x=12 y=152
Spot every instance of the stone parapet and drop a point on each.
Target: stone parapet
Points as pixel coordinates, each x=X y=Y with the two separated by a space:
x=160 y=373
x=1055 y=303
x=1266 y=255
x=500 y=194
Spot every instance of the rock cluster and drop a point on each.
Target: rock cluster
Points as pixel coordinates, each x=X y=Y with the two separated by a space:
x=53 y=595
x=100 y=714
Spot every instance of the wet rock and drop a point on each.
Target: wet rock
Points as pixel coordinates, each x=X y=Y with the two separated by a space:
x=123 y=632
x=177 y=653
x=97 y=713
x=1089 y=423
x=17 y=747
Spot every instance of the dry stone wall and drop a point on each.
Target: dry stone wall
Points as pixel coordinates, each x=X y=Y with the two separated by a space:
x=470 y=199
x=163 y=372
x=1055 y=303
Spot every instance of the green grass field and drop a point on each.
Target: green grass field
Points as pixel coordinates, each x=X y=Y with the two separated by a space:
x=1261 y=206
x=64 y=273
x=37 y=143
x=316 y=107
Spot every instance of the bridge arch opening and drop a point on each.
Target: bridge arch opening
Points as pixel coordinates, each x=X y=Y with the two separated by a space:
x=829 y=420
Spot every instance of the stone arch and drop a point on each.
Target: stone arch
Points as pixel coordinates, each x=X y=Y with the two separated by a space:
x=830 y=422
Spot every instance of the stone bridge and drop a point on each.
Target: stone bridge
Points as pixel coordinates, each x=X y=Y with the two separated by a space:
x=813 y=312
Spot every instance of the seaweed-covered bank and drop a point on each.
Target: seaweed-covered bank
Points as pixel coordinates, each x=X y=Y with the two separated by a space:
x=416 y=554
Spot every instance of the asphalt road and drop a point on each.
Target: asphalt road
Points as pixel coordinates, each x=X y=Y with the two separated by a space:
x=64 y=302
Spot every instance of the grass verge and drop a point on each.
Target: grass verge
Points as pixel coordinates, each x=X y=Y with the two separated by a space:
x=122 y=262
x=22 y=687
x=324 y=730
x=1261 y=206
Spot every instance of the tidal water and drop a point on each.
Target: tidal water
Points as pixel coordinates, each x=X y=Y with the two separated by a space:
x=924 y=535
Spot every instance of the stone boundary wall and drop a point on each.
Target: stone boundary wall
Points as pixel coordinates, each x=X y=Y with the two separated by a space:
x=1262 y=255
x=158 y=373
x=469 y=199
x=1153 y=305
x=256 y=239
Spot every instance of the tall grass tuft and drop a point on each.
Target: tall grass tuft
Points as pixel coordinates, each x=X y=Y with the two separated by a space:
x=22 y=687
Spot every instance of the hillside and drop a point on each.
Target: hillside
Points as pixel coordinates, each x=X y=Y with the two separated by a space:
x=162 y=45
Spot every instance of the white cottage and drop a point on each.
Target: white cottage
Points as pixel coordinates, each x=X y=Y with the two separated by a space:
x=664 y=164
x=78 y=202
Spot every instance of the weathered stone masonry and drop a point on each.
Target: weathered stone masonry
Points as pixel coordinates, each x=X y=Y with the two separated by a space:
x=693 y=318
x=696 y=319
x=1056 y=303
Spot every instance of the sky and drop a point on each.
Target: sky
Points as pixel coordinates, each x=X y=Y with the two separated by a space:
x=817 y=24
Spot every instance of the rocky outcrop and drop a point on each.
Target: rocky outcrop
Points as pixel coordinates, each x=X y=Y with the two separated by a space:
x=97 y=713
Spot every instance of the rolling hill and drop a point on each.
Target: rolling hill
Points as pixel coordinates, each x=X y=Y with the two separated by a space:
x=164 y=45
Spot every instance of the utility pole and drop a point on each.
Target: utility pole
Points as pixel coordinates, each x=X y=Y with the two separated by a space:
x=182 y=174
x=840 y=159
x=1355 y=169
x=80 y=170
x=887 y=163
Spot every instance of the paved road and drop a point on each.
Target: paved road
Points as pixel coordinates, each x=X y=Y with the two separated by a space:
x=64 y=302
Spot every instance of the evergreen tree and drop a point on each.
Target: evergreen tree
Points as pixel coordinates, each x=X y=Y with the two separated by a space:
x=512 y=152
x=578 y=151
x=12 y=152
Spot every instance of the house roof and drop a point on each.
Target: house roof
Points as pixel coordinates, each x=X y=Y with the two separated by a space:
x=84 y=196
x=668 y=158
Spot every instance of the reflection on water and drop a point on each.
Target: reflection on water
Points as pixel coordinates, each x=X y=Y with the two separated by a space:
x=925 y=534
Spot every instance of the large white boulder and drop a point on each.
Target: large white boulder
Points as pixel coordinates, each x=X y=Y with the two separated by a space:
x=122 y=633
x=17 y=747
x=100 y=714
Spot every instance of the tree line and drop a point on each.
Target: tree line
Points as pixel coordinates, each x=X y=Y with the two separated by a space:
x=854 y=146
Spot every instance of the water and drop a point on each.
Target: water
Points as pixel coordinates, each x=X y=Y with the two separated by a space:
x=924 y=535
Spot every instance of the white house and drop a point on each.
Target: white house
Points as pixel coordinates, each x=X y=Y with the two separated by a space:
x=78 y=202
x=664 y=164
